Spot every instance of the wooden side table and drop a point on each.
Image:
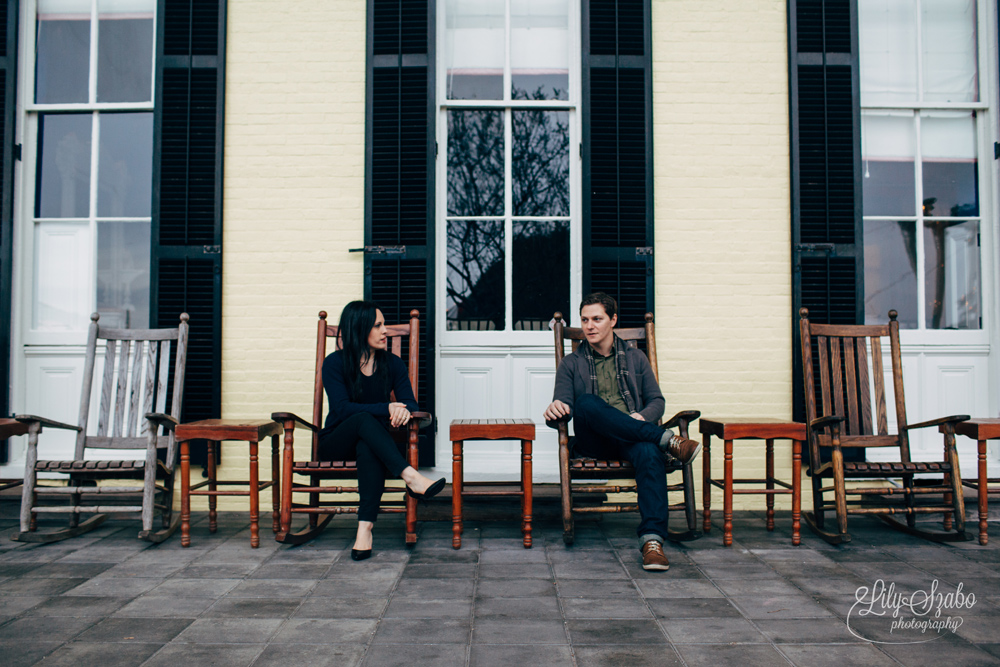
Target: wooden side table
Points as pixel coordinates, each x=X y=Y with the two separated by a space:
x=251 y=431
x=769 y=430
x=8 y=429
x=981 y=430
x=463 y=430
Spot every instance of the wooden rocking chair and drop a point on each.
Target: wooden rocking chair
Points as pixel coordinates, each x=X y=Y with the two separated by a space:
x=583 y=468
x=844 y=418
x=133 y=399
x=317 y=470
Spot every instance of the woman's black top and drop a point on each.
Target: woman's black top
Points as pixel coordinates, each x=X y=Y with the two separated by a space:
x=374 y=398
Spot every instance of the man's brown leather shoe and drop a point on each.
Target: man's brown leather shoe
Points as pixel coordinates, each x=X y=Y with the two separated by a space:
x=682 y=449
x=653 y=557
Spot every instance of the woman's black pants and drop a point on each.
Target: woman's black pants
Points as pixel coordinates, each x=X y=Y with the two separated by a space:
x=362 y=438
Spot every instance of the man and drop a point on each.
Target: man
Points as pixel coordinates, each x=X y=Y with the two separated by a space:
x=615 y=401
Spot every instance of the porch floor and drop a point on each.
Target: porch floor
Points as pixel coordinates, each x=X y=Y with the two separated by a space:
x=107 y=598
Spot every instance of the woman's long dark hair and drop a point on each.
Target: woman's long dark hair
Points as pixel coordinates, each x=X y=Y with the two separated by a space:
x=356 y=322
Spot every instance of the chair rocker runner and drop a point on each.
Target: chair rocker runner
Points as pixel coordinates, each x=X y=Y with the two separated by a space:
x=584 y=468
x=851 y=395
x=134 y=390
x=317 y=470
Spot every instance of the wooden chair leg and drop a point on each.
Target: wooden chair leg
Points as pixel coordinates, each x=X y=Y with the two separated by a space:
x=840 y=490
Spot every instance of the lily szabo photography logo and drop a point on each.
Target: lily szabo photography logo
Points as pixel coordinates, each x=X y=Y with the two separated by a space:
x=885 y=614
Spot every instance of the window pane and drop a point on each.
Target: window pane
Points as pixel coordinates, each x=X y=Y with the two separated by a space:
x=540 y=273
x=62 y=51
x=888 y=151
x=474 y=49
x=125 y=165
x=540 y=165
x=63 y=187
x=952 y=278
x=951 y=184
x=123 y=274
x=476 y=280
x=949 y=51
x=890 y=272
x=125 y=51
x=475 y=163
x=888 y=44
x=62 y=285
x=539 y=49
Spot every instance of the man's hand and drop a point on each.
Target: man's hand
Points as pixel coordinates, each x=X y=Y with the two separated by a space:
x=636 y=415
x=398 y=414
x=556 y=410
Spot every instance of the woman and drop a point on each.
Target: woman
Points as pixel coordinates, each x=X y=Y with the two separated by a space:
x=358 y=379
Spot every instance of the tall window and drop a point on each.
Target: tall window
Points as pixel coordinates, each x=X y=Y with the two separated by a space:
x=920 y=148
x=509 y=106
x=91 y=113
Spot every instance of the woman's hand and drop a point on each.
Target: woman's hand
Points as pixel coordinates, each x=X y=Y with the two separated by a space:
x=398 y=414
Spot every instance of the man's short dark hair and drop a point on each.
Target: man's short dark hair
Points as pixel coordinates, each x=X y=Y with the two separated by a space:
x=610 y=305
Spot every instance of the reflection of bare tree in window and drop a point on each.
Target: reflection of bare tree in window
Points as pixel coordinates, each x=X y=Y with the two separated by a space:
x=540 y=164
x=475 y=278
x=475 y=162
x=540 y=273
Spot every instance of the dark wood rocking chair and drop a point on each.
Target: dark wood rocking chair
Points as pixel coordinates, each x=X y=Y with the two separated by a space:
x=317 y=470
x=133 y=400
x=582 y=468
x=844 y=418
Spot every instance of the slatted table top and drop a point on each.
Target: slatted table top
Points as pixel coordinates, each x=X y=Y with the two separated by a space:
x=492 y=429
x=248 y=430
x=737 y=428
x=979 y=429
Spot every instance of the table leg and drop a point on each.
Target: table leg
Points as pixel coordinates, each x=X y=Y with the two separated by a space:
x=796 y=491
x=254 y=497
x=706 y=482
x=275 y=486
x=212 y=502
x=456 y=494
x=769 y=481
x=526 y=491
x=185 y=493
x=984 y=509
x=727 y=501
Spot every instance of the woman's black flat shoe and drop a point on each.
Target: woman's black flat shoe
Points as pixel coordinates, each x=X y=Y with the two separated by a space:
x=360 y=554
x=431 y=491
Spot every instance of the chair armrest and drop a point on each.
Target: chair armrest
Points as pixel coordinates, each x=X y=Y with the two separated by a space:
x=825 y=422
x=954 y=419
x=422 y=419
x=556 y=423
x=49 y=423
x=285 y=417
x=160 y=419
x=684 y=417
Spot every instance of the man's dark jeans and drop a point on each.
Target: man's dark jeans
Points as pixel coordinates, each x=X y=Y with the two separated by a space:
x=604 y=432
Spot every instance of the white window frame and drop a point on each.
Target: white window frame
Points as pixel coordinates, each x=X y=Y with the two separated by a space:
x=573 y=105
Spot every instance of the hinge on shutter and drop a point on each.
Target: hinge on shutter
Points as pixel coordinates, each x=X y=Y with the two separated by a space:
x=644 y=251
x=817 y=247
x=211 y=249
x=381 y=250
x=17 y=151
x=996 y=150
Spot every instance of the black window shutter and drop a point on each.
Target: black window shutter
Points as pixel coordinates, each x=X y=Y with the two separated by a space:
x=187 y=191
x=8 y=68
x=617 y=155
x=399 y=168
x=827 y=250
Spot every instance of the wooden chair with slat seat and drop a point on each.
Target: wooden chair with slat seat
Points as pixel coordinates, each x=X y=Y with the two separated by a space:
x=572 y=469
x=850 y=412
x=135 y=389
x=316 y=470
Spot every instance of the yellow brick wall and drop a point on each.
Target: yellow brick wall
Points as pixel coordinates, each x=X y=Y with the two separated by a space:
x=722 y=207
x=293 y=201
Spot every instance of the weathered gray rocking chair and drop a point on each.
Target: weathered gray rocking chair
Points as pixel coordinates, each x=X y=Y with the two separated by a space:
x=133 y=398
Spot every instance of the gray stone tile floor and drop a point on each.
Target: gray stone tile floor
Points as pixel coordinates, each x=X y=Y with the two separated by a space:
x=108 y=599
